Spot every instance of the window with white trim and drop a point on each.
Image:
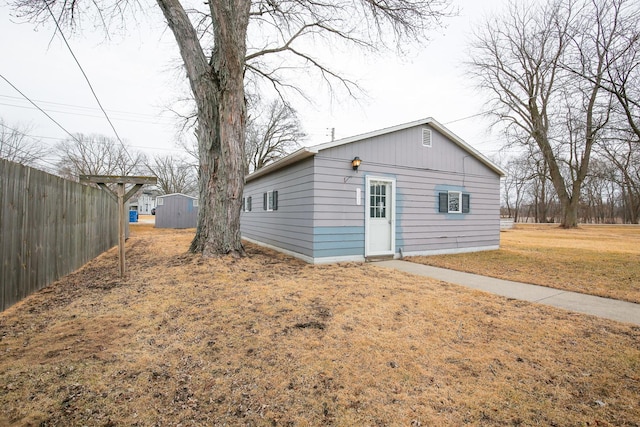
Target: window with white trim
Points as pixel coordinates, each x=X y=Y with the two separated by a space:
x=454 y=205
x=246 y=204
x=195 y=203
x=270 y=201
x=454 y=202
x=159 y=201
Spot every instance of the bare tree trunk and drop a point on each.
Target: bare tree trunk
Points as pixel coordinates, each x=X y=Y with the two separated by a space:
x=570 y=213
x=218 y=89
x=221 y=181
x=631 y=198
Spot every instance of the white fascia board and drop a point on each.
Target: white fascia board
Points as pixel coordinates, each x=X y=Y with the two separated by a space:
x=294 y=157
x=372 y=134
x=305 y=152
x=428 y=121
x=465 y=146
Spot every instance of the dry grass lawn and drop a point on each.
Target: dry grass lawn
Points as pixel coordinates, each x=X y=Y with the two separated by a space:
x=596 y=260
x=269 y=341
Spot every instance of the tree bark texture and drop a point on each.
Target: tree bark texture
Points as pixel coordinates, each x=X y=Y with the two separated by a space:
x=218 y=88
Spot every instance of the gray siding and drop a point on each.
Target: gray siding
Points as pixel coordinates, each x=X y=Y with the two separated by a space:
x=421 y=228
x=404 y=149
x=319 y=217
x=176 y=211
x=420 y=173
x=291 y=226
x=338 y=219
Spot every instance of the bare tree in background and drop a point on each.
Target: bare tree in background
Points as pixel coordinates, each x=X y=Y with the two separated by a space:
x=544 y=67
x=175 y=174
x=17 y=146
x=516 y=58
x=600 y=193
x=625 y=156
x=623 y=56
x=222 y=41
x=622 y=81
x=516 y=184
x=96 y=155
x=273 y=133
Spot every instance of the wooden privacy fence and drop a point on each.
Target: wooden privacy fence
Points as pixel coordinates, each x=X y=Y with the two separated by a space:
x=49 y=227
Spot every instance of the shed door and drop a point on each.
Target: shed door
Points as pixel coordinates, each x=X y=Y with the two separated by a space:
x=380 y=217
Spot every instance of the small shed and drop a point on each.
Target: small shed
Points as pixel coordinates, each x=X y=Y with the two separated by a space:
x=176 y=211
x=411 y=189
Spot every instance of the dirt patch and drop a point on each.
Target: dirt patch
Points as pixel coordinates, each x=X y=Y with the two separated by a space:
x=269 y=340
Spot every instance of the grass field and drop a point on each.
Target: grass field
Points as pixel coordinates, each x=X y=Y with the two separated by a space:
x=597 y=260
x=268 y=340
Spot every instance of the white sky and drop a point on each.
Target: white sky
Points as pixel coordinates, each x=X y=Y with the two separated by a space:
x=136 y=80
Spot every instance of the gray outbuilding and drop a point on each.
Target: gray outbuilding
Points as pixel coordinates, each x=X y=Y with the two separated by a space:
x=176 y=211
x=419 y=190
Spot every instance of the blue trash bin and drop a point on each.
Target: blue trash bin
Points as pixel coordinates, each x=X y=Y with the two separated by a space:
x=133 y=216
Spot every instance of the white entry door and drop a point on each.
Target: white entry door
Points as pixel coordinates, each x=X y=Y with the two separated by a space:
x=380 y=216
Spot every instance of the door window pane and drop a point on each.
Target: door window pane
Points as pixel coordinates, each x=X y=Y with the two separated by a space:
x=378 y=201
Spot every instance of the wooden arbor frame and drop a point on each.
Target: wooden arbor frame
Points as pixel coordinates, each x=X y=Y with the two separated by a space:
x=121 y=197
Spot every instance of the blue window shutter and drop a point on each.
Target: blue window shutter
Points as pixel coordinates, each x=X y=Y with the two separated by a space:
x=249 y=204
x=264 y=201
x=275 y=200
x=465 y=203
x=443 y=202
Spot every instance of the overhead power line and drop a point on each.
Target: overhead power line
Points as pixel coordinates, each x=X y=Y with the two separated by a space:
x=87 y=80
x=75 y=113
x=38 y=107
x=38 y=137
x=142 y=116
x=82 y=107
x=464 y=118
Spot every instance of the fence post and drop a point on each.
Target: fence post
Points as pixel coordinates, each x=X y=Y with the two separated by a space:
x=138 y=182
x=121 y=225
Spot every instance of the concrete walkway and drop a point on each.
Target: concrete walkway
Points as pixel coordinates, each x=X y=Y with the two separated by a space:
x=621 y=311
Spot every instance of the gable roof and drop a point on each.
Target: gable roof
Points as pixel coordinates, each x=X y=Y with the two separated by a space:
x=176 y=194
x=306 y=152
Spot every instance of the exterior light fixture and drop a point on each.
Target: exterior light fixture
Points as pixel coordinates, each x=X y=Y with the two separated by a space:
x=355 y=163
